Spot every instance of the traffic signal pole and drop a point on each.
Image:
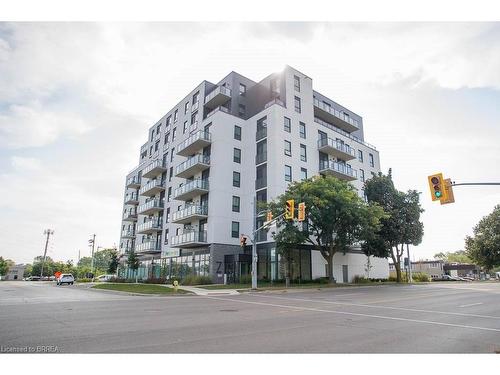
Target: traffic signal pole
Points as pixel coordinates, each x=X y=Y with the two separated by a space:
x=475 y=183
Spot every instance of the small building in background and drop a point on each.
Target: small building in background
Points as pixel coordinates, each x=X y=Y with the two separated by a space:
x=15 y=272
x=462 y=269
x=433 y=268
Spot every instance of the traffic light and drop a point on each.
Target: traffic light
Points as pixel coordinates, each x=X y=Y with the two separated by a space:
x=243 y=241
x=302 y=212
x=437 y=186
x=269 y=216
x=450 y=198
x=290 y=209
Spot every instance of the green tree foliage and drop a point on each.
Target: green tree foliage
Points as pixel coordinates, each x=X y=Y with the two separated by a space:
x=459 y=256
x=484 y=246
x=337 y=218
x=133 y=262
x=113 y=264
x=102 y=262
x=4 y=267
x=402 y=224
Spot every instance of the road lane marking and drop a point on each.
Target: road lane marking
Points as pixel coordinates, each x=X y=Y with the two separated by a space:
x=358 y=314
x=472 y=304
x=381 y=307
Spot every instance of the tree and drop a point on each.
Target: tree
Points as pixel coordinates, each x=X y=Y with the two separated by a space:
x=4 y=267
x=133 y=262
x=113 y=265
x=401 y=227
x=337 y=218
x=459 y=256
x=484 y=246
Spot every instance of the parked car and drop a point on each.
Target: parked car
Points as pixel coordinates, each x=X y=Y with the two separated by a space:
x=105 y=278
x=65 y=278
x=52 y=278
x=33 y=278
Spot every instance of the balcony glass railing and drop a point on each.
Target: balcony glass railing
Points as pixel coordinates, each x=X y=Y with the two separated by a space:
x=260 y=183
x=133 y=181
x=199 y=135
x=189 y=237
x=190 y=211
x=128 y=233
x=148 y=225
x=152 y=184
x=220 y=108
x=343 y=132
x=155 y=164
x=148 y=246
x=132 y=197
x=219 y=90
x=155 y=203
x=262 y=133
x=197 y=159
x=336 y=113
x=322 y=142
x=338 y=167
x=199 y=183
x=261 y=158
x=130 y=213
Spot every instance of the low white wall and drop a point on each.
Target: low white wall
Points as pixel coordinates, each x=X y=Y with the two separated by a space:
x=356 y=264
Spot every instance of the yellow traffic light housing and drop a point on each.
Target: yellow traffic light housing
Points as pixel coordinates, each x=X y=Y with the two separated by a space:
x=450 y=198
x=243 y=241
x=302 y=212
x=290 y=209
x=269 y=216
x=437 y=186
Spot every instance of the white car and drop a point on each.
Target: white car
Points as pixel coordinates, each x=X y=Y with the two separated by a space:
x=65 y=278
x=104 y=277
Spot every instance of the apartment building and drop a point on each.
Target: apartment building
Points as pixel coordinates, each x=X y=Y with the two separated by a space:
x=223 y=145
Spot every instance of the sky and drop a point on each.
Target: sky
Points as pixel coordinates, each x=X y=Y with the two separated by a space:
x=76 y=100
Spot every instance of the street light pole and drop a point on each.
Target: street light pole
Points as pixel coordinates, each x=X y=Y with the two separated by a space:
x=254 y=246
x=47 y=232
x=92 y=241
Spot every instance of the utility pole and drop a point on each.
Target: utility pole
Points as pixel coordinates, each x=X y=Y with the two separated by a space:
x=254 y=246
x=47 y=232
x=92 y=241
x=410 y=280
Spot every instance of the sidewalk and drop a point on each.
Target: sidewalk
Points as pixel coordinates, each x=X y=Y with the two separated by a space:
x=206 y=292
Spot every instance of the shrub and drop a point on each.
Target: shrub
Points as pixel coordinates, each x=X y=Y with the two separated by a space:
x=321 y=280
x=246 y=279
x=84 y=280
x=403 y=277
x=196 y=280
x=420 y=277
x=118 y=280
x=360 y=280
x=155 y=280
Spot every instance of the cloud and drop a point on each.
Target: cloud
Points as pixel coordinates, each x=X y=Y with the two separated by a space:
x=26 y=164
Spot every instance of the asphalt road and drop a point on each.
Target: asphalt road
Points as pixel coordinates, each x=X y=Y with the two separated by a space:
x=433 y=318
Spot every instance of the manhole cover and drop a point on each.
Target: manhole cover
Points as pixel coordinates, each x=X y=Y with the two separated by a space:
x=228 y=310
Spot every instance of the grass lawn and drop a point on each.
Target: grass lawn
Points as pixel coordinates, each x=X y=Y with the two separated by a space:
x=267 y=285
x=138 y=288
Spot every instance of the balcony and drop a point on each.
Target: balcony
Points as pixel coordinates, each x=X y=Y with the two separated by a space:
x=150 y=207
x=195 y=142
x=217 y=109
x=338 y=118
x=336 y=148
x=190 y=213
x=191 y=189
x=128 y=234
x=217 y=97
x=192 y=166
x=130 y=214
x=131 y=198
x=341 y=171
x=189 y=239
x=149 y=227
x=133 y=182
x=148 y=247
x=144 y=147
x=261 y=158
x=154 y=169
x=152 y=188
x=260 y=183
x=262 y=133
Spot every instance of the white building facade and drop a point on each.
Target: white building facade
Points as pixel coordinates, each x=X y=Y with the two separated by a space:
x=224 y=145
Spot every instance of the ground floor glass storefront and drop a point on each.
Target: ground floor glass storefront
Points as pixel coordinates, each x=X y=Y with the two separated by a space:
x=271 y=266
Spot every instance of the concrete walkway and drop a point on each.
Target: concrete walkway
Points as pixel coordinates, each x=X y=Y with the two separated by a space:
x=206 y=292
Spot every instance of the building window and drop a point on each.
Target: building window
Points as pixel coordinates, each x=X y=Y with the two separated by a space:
x=169 y=120
x=236 y=179
x=170 y=174
x=235 y=229
x=360 y=156
x=196 y=97
x=303 y=152
x=186 y=107
x=168 y=215
x=157 y=144
x=158 y=129
x=176 y=115
x=237 y=155
x=362 y=175
x=288 y=173
x=236 y=203
x=173 y=134
x=193 y=117
x=297 y=105
x=287 y=125
x=169 y=194
x=172 y=152
x=303 y=174
x=243 y=89
x=288 y=148
x=296 y=83
x=302 y=130
x=241 y=109
x=167 y=137
x=184 y=127
x=237 y=132
x=166 y=236
x=370 y=157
